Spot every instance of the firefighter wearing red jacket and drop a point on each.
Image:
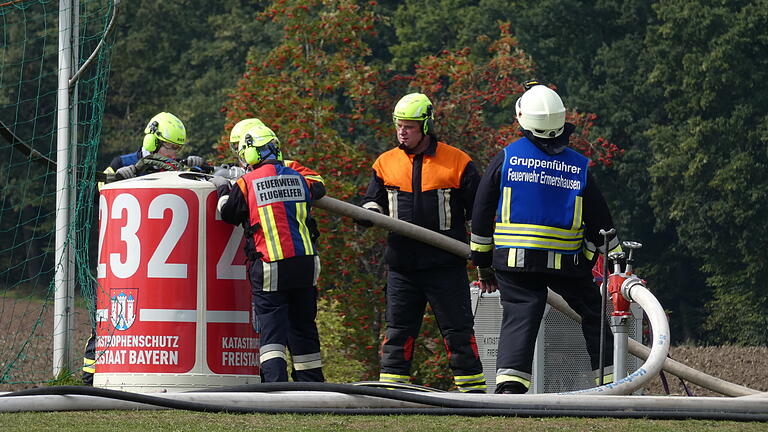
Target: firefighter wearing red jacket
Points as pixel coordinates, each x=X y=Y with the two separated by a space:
x=273 y=202
x=536 y=221
x=430 y=184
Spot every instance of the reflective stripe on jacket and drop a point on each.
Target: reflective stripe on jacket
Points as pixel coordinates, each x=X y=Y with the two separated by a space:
x=309 y=175
x=279 y=204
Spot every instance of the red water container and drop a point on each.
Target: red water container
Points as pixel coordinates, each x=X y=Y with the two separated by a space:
x=173 y=303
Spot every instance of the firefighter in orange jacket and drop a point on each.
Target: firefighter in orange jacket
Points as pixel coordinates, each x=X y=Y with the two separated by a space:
x=431 y=184
x=273 y=202
x=536 y=221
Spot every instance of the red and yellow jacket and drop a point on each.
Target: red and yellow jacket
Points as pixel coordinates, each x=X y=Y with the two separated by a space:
x=273 y=202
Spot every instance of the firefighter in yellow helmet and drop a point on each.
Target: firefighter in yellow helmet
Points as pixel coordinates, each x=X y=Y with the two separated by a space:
x=431 y=184
x=164 y=135
x=536 y=222
x=273 y=203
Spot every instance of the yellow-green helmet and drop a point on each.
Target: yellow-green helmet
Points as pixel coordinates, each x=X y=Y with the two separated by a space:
x=239 y=129
x=164 y=127
x=258 y=144
x=415 y=106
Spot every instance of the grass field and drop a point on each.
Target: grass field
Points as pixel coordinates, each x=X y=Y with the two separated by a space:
x=167 y=421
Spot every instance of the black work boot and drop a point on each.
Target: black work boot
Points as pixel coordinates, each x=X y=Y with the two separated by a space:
x=511 y=387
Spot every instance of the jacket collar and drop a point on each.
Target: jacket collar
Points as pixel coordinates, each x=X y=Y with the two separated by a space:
x=552 y=146
x=265 y=162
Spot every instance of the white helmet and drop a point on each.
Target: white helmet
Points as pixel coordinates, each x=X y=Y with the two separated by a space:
x=541 y=112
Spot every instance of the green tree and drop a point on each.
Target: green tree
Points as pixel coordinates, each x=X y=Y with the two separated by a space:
x=171 y=57
x=708 y=169
x=596 y=53
x=427 y=28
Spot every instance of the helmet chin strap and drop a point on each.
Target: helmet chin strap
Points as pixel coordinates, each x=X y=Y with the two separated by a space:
x=272 y=153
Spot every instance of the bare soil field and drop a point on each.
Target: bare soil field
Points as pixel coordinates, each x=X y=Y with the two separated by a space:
x=26 y=345
x=747 y=366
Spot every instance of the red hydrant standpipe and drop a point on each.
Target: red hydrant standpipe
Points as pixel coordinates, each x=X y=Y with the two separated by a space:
x=620 y=304
x=621 y=312
x=619 y=326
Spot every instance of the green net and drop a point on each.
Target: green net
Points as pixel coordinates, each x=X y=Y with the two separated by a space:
x=29 y=66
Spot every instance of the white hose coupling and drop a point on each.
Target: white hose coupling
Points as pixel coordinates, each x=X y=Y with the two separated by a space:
x=628 y=284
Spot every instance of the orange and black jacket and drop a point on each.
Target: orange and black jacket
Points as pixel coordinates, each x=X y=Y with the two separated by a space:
x=434 y=190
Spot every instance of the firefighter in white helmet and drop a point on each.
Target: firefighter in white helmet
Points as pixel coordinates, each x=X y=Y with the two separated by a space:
x=535 y=224
x=431 y=184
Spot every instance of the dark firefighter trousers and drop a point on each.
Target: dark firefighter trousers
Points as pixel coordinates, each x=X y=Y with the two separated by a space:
x=447 y=291
x=287 y=319
x=523 y=299
x=89 y=359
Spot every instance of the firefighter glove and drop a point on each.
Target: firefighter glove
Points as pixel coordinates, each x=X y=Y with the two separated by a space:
x=126 y=172
x=219 y=181
x=195 y=161
x=233 y=172
x=314 y=232
x=487 y=278
x=365 y=223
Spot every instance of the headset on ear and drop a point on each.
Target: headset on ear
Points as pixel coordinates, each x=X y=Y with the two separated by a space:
x=249 y=153
x=429 y=122
x=150 y=139
x=251 y=156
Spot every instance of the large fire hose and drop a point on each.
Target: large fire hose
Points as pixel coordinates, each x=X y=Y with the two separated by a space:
x=640 y=294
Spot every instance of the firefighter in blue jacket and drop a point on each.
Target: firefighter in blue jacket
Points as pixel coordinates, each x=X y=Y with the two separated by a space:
x=431 y=184
x=164 y=135
x=273 y=203
x=535 y=224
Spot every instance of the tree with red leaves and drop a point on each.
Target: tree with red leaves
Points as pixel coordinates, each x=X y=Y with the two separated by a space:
x=331 y=107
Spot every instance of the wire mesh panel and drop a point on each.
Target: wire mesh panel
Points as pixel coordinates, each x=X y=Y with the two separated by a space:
x=487 y=311
x=561 y=362
x=28 y=140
